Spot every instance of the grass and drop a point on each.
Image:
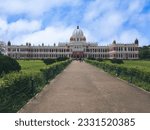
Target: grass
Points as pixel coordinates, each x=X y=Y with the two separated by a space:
x=36 y=65
x=140 y=64
x=134 y=71
x=17 y=88
x=143 y=65
x=31 y=65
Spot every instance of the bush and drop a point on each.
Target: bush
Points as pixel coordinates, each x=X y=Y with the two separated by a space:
x=8 y=64
x=62 y=58
x=100 y=60
x=91 y=58
x=49 y=61
x=117 y=61
x=133 y=75
x=17 y=88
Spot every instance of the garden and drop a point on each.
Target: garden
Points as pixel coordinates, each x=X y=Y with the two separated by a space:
x=18 y=86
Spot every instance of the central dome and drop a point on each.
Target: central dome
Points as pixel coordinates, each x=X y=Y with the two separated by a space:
x=77 y=35
x=77 y=32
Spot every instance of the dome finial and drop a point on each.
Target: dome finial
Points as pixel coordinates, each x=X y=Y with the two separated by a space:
x=77 y=27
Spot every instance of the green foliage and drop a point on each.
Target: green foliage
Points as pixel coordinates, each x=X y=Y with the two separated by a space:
x=62 y=58
x=100 y=60
x=143 y=65
x=8 y=64
x=91 y=58
x=31 y=65
x=18 y=87
x=117 y=61
x=144 y=52
x=139 y=77
x=51 y=61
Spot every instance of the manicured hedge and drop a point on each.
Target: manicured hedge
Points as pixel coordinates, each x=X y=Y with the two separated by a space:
x=51 y=61
x=133 y=75
x=17 y=88
x=117 y=61
x=8 y=64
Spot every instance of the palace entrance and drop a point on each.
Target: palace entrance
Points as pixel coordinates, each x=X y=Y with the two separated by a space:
x=78 y=55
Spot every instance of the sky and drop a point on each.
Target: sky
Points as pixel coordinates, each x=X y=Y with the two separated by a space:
x=53 y=21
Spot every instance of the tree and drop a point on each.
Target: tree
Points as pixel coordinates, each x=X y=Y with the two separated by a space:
x=8 y=64
x=144 y=52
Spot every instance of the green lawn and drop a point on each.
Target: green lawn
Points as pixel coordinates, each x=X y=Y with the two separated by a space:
x=36 y=65
x=134 y=71
x=140 y=64
x=31 y=65
x=143 y=65
x=17 y=88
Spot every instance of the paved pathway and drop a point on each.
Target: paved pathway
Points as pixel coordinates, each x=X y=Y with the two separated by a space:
x=85 y=88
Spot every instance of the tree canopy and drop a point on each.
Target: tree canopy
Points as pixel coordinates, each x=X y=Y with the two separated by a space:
x=144 y=52
x=8 y=64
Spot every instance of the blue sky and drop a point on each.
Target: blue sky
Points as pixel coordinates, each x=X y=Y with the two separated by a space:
x=53 y=21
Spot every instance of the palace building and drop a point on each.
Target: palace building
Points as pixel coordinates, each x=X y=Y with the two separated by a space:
x=76 y=48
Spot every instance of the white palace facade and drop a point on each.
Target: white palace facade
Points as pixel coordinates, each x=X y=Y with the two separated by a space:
x=77 y=48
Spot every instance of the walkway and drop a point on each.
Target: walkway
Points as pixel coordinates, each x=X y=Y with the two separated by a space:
x=84 y=88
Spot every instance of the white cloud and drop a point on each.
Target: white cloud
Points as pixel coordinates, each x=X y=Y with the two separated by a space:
x=3 y=28
x=111 y=20
x=49 y=36
x=102 y=21
x=97 y=8
x=110 y=23
x=25 y=26
x=32 y=8
x=3 y=25
x=9 y=31
x=129 y=36
x=135 y=6
x=105 y=18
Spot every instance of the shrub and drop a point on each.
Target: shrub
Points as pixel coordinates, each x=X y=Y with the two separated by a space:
x=49 y=61
x=100 y=60
x=91 y=58
x=133 y=75
x=8 y=64
x=117 y=61
x=18 y=87
x=62 y=58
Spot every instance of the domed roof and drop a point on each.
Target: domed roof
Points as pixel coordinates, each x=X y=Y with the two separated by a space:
x=78 y=33
x=77 y=36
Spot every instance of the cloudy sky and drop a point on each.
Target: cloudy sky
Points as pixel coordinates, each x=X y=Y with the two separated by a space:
x=53 y=21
